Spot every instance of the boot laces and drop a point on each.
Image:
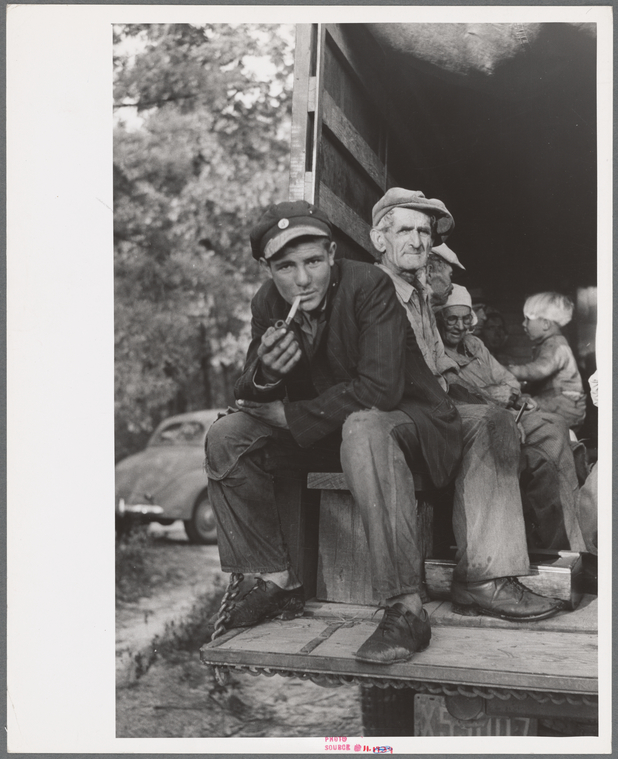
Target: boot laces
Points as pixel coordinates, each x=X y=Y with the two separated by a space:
x=390 y=619
x=514 y=583
x=260 y=584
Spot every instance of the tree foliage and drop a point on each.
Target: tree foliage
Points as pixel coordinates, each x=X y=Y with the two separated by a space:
x=200 y=148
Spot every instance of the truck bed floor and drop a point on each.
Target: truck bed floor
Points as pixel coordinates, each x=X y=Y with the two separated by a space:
x=557 y=655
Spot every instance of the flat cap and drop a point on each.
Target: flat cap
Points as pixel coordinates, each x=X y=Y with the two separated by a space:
x=443 y=251
x=283 y=222
x=397 y=197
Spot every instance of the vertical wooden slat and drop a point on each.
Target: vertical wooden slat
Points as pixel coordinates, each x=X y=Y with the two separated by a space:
x=299 y=514
x=300 y=110
x=387 y=158
x=317 y=116
x=344 y=571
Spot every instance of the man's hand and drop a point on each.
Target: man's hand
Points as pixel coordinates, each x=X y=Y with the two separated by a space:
x=279 y=353
x=531 y=404
x=271 y=413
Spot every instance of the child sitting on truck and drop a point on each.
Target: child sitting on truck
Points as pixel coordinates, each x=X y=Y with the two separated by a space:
x=553 y=376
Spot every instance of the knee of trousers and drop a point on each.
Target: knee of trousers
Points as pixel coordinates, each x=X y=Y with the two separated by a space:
x=364 y=429
x=500 y=434
x=547 y=431
x=230 y=437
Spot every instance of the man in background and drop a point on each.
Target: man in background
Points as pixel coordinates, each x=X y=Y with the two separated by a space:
x=440 y=263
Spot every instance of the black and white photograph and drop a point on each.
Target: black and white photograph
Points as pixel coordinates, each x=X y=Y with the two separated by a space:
x=324 y=295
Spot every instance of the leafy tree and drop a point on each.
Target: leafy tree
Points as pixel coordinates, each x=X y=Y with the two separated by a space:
x=200 y=148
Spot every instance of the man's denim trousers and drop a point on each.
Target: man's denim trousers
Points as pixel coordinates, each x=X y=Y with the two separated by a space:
x=488 y=518
x=242 y=454
x=549 y=484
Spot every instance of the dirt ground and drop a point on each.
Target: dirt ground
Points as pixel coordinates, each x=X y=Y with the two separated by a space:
x=182 y=700
x=179 y=697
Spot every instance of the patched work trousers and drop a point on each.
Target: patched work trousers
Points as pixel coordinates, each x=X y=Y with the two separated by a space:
x=242 y=453
x=377 y=453
x=488 y=519
x=549 y=484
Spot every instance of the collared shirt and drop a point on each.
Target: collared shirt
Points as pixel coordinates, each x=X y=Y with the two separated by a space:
x=478 y=367
x=415 y=300
x=311 y=326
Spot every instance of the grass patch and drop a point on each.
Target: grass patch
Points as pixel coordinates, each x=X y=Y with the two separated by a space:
x=181 y=639
x=190 y=633
x=134 y=568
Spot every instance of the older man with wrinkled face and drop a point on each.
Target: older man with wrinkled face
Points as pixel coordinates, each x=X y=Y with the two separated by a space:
x=440 y=265
x=487 y=510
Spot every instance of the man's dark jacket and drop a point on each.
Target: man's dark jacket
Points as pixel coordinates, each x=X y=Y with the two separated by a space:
x=366 y=357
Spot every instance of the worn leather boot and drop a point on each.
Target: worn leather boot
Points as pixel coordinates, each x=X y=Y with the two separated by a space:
x=264 y=600
x=505 y=598
x=399 y=635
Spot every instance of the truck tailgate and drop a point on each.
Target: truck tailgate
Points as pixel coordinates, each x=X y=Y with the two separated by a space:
x=558 y=655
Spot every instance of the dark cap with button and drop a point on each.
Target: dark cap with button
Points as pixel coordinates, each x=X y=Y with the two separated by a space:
x=284 y=222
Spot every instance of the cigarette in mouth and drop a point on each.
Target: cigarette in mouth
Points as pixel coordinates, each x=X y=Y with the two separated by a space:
x=293 y=310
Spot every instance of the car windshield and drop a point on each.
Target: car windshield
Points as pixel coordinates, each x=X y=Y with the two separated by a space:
x=180 y=433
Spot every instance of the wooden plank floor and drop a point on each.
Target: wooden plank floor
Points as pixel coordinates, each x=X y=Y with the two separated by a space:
x=557 y=655
x=583 y=619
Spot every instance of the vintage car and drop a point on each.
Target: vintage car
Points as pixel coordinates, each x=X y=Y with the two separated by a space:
x=166 y=481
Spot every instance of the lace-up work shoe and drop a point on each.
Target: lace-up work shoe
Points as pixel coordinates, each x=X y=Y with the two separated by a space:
x=505 y=598
x=399 y=635
x=264 y=600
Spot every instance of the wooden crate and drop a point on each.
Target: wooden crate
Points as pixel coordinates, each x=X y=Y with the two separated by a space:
x=299 y=514
x=553 y=573
x=344 y=572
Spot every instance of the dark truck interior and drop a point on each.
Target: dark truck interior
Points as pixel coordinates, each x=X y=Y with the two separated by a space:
x=498 y=122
